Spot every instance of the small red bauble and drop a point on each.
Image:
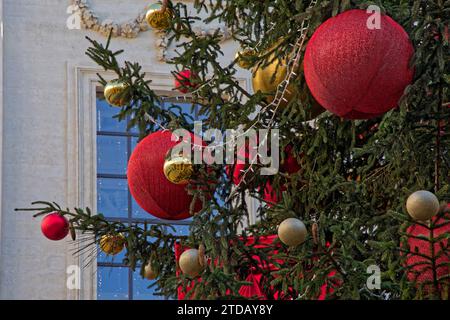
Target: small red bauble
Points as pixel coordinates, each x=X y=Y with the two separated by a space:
x=421 y=270
x=247 y=153
x=287 y=165
x=356 y=72
x=290 y=163
x=183 y=81
x=55 y=226
x=148 y=184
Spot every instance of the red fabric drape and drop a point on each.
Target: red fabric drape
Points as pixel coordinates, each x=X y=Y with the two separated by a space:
x=253 y=290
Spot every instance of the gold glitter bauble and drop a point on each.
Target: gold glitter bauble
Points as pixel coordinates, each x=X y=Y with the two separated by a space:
x=178 y=169
x=149 y=273
x=241 y=55
x=112 y=244
x=117 y=93
x=267 y=79
x=157 y=18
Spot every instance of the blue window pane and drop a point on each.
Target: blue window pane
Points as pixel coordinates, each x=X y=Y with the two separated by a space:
x=112 y=283
x=138 y=212
x=141 y=290
x=149 y=239
x=134 y=142
x=103 y=257
x=112 y=197
x=105 y=120
x=180 y=230
x=134 y=130
x=198 y=116
x=112 y=155
x=183 y=107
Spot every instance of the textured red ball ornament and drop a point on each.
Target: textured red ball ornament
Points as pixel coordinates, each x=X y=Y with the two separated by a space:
x=148 y=184
x=356 y=72
x=183 y=81
x=54 y=226
x=421 y=270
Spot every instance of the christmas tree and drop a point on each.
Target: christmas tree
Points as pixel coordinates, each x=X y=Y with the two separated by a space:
x=353 y=100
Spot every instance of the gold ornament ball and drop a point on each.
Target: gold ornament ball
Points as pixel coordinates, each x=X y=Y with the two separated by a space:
x=241 y=55
x=149 y=273
x=292 y=232
x=190 y=263
x=178 y=170
x=157 y=18
x=422 y=205
x=267 y=79
x=112 y=244
x=117 y=93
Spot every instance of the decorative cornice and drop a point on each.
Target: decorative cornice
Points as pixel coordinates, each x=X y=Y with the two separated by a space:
x=131 y=29
x=91 y=21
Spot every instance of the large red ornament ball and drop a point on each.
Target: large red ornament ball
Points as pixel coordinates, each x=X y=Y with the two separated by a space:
x=183 y=81
x=421 y=270
x=356 y=72
x=55 y=226
x=148 y=184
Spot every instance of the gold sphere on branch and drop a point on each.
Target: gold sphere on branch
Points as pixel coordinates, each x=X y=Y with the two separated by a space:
x=158 y=18
x=149 y=273
x=267 y=79
x=117 y=93
x=178 y=169
x=112 y=244
x=242 y=56
x=292 y=232
x=422 y=205
x=190 y=263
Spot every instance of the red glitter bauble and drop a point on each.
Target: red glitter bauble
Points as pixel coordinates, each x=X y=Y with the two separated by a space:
x=148 y=184
x=357 y=72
